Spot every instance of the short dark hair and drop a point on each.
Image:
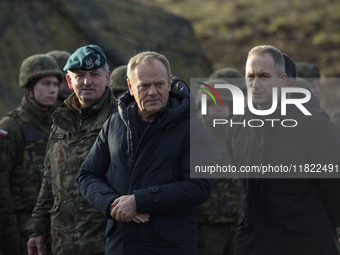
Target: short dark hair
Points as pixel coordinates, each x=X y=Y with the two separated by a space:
x=290 y=67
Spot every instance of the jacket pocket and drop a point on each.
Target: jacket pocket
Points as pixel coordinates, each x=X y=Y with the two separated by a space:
x=301 y=225
x=172 y=231
x=56 y=206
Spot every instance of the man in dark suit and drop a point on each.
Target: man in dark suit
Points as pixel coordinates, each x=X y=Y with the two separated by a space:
x=293 y=212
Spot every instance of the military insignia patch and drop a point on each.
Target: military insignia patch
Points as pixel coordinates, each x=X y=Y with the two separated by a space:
x=89 y=63
x=97 y=62
x=3 y=133
x=57 y=136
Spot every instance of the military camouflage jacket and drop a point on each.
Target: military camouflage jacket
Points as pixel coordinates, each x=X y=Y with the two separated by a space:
x=224 y=204
x=23 y=140
x=76 y=227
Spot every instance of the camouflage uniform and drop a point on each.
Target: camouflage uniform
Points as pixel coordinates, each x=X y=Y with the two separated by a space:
x=23 y=140
x=118 y=81
x=217 y=218
x=76 y=227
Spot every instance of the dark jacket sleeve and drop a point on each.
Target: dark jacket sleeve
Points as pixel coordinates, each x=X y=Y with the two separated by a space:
x=185 y=194
x=327 y=149
x=92 y=176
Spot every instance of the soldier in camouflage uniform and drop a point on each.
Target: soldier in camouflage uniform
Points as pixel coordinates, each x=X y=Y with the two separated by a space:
x=217 y=218
x=234 y=77
x=312 y=75
x=61 y=57
x=76 y=227
x=24 y=134
x=118 y=81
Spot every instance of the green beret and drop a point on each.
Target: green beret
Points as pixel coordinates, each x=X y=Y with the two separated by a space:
x=90 y=57
x=305 y=70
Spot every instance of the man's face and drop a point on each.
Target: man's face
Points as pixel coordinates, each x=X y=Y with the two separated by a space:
x=150 y=86
x=46 y=91
x=89 y=86
x=261 y=76
x=218 y=111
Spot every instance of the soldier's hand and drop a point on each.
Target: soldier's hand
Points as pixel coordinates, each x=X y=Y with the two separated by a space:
x=124 y=208
x=36 y=246
x=141 y=218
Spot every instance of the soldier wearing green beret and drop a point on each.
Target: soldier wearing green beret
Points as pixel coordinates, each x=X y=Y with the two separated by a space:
x=217 y=218
x=24 y=134
x=312 y=75
x=76 y=227
x=61 y=57
x=118 y=81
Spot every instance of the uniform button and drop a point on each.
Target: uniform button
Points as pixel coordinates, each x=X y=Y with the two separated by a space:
x=156 y=200
x=66 y=172
x=64 y=202
x=65 y=231
x=80 y=208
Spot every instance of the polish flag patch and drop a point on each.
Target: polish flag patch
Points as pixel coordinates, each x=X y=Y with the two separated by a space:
x=3 y=133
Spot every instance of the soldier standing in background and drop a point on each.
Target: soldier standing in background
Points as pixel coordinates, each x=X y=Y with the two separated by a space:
x=217 y=218
x=312 y=75
x=61 y=57
x=76 y=227
x=24 y=134
x=118 y=81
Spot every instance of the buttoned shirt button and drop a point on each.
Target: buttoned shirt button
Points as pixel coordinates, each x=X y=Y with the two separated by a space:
x=64 y=202
x=65 y=231
x=80 y=208
x=66 y=172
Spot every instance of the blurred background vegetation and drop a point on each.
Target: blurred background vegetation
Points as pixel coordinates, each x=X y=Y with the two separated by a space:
x=200 y=36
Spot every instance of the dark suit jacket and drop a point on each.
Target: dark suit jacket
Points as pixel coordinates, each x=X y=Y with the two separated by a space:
x=287 y=215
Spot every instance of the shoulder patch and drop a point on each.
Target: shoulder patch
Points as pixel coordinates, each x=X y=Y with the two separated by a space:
x=3 y=133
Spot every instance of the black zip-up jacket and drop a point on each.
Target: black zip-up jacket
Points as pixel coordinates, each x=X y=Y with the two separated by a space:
x=156 y=169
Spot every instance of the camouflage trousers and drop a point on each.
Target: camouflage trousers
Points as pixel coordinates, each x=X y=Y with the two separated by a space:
x=216 y=238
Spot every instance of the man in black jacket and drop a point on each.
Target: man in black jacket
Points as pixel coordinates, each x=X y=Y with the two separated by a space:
x=298 y=213
x=138 y=171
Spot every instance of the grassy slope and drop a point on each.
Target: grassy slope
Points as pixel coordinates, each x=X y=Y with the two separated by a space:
x=306 y=30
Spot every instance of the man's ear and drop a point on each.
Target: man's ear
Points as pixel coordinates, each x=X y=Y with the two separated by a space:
x=130 y=86
x=108 y=76
x=69 y=81
x=283 y=78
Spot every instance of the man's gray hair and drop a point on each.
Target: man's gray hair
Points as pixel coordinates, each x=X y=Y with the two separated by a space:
x=279 y=61
x=147 y=56
x=106 y=68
